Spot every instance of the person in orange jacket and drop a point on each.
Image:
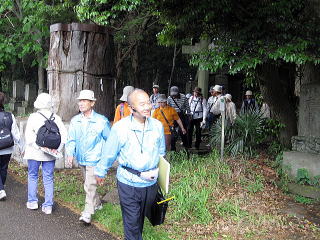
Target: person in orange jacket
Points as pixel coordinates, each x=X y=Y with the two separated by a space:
x=167 y=115
x=123 y=109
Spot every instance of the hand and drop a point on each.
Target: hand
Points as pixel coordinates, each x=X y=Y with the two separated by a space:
x=100 y=181
x=150 y=175
x=183 y=131
x=69 y=161
x=203 y=123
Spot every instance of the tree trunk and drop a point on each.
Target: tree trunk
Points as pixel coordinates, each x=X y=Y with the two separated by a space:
x=135 y=67
x=80 y=57
x=277 y=88
x=41 y=79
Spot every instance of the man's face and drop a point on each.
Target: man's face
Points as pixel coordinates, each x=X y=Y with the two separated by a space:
x=141 y=103
x=162 y=104
x=196 y=94
x=155 y=90
x=248 y=96
x=213 y=93
x=85 y=105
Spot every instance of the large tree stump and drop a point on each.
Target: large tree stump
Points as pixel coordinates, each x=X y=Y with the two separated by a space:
x=80 y=57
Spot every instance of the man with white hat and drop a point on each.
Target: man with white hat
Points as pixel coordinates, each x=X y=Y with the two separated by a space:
x=154 y=96
x=87 y=134
x=123 y=109
x=249 y=104
x=214 y=105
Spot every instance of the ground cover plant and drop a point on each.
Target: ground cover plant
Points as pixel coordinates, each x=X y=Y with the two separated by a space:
x=231 y=199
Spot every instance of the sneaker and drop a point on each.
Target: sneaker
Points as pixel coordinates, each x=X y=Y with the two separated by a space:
x=32 y=205
x=47 y=209
x=85 y=218
x=99 y=207
x=3 y=195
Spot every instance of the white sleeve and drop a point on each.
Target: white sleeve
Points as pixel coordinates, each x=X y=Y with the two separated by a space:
x=16 y=133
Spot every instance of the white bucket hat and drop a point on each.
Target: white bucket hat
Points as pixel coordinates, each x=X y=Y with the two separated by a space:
x=217 y=88
x=86 y=95
x=248 y=93
x=228 y=96
x=126 y=91
x=43 y=101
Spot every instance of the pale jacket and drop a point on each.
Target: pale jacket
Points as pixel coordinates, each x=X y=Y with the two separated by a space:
x=86 y=138
x=16 y=137
x=35 y=121
x=134 y=146
x=198 y=107
x=231 y=111
x=216 y=101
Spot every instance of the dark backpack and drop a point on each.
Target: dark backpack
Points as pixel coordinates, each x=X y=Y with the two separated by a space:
x=6 y=139
x=48 y=134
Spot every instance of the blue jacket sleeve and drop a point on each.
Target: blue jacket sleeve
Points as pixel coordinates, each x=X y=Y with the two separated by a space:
x=109 y=154
x=71 y=142
x=162 y=147
x=106 y=131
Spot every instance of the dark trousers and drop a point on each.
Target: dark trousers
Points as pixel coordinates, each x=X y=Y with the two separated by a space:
x=184 y=137
x=135 y=203
x=4 y=162
x=195 y=123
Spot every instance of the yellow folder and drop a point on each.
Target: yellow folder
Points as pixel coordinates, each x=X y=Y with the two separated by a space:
x=164 y=172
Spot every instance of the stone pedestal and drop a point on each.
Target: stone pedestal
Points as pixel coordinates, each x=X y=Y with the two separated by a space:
x=293 y=161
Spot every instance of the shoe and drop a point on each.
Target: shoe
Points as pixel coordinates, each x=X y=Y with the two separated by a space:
x=47 y=209
x=85 y=218
x=3 y=195
x=32 y=205
x=99 y=207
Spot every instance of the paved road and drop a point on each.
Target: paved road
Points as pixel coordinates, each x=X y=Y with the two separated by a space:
x=19 y=223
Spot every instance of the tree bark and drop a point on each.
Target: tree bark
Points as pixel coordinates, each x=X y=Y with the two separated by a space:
x=80 y=57
x=277 y=88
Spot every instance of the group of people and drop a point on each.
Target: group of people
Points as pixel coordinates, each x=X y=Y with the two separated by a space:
x=144 y=128
x=137 y=142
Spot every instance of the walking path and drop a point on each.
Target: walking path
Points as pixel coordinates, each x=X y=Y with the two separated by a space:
x=17 y=222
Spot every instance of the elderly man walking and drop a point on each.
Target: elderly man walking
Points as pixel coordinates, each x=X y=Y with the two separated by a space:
x=87 y=134
x=137 y=142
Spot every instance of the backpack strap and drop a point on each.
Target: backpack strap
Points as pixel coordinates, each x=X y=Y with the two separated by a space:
x=50 y=118
x=121 y=110
x=165 y=117
x=176 y=104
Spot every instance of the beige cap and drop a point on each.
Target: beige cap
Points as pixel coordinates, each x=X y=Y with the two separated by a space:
x=43 y=101
x=126 y=91
x=248 y=93
x=162 y=98
x=86 y=95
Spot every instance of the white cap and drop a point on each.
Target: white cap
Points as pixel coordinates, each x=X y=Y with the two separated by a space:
x=86 y=95
x=228 y=96
x=43 y=101
x=248 y=93
x=126 y=91
x=217 y=88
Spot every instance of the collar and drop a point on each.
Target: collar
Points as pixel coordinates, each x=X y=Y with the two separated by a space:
x=136 y=126
x=91 y=118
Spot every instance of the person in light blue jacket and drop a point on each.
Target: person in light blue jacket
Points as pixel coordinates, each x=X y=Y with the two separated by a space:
x=88 y=132
x=137 y=142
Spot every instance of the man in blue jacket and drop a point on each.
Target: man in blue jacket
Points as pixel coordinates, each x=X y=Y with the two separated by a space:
x=88 y=132
x=137 y=142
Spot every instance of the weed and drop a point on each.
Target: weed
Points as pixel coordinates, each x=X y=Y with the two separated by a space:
x=231 y=208
x=304 y=200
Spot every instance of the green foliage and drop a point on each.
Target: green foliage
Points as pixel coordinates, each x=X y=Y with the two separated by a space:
x=303 y=200
x=303 y=176
x=255 y=185
x=24 y=28
x=243 y=137
x=244 y=34
x=231 y=208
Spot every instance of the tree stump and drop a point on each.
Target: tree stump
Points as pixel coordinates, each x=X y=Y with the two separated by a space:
x=81 y=56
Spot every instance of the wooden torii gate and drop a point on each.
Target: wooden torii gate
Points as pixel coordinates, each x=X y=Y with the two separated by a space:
x=80 y=57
